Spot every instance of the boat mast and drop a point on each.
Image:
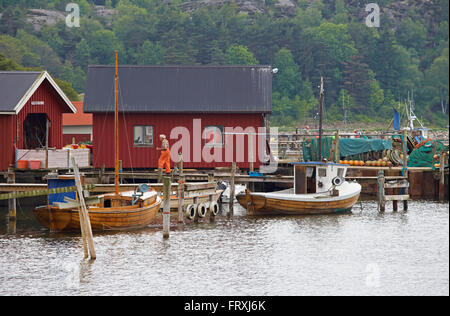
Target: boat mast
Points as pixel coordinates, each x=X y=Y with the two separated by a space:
x=320 y=117
x=116 y=130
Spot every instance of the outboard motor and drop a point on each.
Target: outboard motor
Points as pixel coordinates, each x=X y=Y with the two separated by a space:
x=138 y=192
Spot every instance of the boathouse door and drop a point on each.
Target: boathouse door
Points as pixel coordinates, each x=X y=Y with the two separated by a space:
x=36 y=131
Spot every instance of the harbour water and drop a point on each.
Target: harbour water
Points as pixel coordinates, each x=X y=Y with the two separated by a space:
x=363 y=253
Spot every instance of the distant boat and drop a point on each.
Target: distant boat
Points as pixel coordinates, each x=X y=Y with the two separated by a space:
x=115 y=211
x=319 y=188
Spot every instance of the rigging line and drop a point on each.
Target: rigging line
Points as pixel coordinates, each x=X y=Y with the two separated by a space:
x=126 y=130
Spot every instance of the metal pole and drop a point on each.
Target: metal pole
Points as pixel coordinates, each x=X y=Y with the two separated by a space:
x=320 y=117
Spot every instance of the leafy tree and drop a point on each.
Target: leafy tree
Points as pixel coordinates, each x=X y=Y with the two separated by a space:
x=239 y=55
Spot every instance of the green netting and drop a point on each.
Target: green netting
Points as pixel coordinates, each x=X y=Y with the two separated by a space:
x=423 y=156
x=310 y=148
x=347 y=147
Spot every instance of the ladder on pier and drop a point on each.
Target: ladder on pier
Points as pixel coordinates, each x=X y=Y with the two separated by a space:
x=401 y=183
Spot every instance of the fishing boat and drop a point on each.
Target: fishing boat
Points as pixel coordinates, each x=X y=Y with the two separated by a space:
x=319 y=188
x=114 y=211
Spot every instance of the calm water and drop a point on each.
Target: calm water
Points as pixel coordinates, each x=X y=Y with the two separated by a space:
x=364 y=253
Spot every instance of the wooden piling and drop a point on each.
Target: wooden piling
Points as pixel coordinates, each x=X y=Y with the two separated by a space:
x=380 y=195
x=85 y=223
x=442 y=177
x=180 y=199
x=180 y=190
x=405 y=191
x=12 y=202
x=166 y=209
x=232 y=189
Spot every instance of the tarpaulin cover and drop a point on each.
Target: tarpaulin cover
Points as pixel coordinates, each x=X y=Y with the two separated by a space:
x=347 y=147
x=354 y=146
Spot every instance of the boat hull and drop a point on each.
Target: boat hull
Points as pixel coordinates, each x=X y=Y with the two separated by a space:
x=102 y=219
x=261 y=204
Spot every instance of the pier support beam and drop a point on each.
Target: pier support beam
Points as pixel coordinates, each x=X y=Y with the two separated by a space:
x=12 y=206
x=166 y=209
x=380 y=195
x=232 y=189
x=442 y=178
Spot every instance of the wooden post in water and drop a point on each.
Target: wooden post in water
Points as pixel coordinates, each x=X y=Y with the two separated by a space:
x=405 y=166
x=85 y=223
x=12 y=204
x=180 y=190
x=166 y=209
x=380 y=193
x=442 y=177
x=232 y=189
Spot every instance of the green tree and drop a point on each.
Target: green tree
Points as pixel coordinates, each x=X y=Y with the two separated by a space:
x=239 y=55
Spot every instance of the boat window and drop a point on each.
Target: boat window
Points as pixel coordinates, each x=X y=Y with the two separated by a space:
x=322 y=172
x=143 y=135
x=309 y=172
x=340 y=172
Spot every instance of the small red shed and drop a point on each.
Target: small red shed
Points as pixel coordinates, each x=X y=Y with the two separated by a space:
x=31 y=108
x=206 y=112
x=77 y=126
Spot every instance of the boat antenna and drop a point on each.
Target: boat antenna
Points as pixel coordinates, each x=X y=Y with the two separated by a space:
x=116 y=129
x=320 y=116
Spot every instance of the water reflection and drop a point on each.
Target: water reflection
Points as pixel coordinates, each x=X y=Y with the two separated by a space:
x=363 y=253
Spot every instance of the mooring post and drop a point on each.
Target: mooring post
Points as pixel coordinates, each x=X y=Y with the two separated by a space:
x=180 y=199
x=405 y=191
x=166 y=209
x=442 y=177
x=380 y=195
x=180 y=190
x=395 y=205
x=85 y=222
x=232 y=189
x=12 y=202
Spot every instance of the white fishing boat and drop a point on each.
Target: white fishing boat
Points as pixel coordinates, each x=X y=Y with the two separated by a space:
x=319 y=188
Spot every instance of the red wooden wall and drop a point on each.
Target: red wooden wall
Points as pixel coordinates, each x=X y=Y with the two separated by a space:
x=53 y=107
x=11 y=126
x=7 y=130
x=147 y=157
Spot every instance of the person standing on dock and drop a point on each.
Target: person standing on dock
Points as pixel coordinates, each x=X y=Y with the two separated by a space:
x=164 y=159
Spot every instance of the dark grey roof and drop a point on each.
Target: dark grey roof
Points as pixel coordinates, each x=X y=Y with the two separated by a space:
x=243 y=89
x=13 y=86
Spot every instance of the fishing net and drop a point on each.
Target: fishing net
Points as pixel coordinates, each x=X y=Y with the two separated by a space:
x=424 y=155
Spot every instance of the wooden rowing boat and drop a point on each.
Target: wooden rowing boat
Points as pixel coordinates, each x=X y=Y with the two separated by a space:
x=327 y=193
x=116 y=211
x=123 y=216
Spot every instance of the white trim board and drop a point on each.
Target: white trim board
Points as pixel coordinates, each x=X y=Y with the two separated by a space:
x=44 y=75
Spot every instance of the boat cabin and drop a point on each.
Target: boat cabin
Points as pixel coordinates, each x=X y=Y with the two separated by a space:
x=317 y=177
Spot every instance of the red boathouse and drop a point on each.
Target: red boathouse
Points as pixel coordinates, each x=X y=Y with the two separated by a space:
x=206 y=112
x=31 y=108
